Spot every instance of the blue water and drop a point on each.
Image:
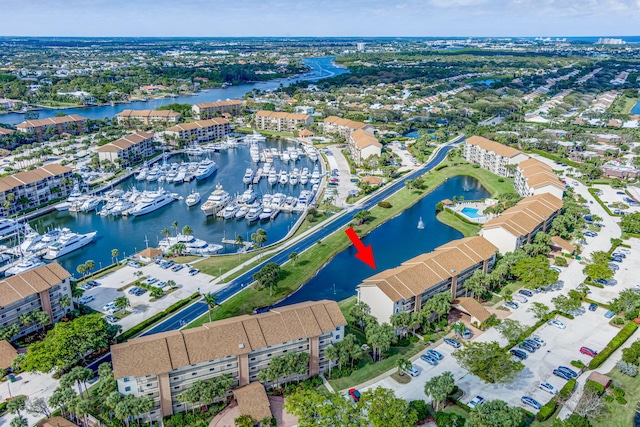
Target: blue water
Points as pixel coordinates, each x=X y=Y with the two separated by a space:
x=412 y=134
x=128 y=234
x=636 y=108
x=487 y=82
x=471 y=212
x=393 y=242
x=320 y=68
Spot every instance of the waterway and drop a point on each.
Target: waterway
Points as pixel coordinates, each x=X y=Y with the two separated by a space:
x=393 y=242
x=128 y=234
x=321 y=68
x=636 y=108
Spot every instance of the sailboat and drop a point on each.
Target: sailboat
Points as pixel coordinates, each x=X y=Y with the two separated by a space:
x=420 y=224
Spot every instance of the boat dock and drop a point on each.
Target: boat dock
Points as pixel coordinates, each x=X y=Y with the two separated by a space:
x=245 y=245
x=258 y=176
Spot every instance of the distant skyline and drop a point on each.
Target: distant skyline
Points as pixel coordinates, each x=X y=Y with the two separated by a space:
x=339 y=18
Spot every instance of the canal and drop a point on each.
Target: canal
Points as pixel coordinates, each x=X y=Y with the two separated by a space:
x=393 y=242
x=321 y=68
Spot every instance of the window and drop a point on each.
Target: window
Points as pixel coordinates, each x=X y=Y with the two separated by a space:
x=127 y=389
x=229 y=365
x=149 y=385
x=177 y=387
x=337 y=337
x=252 y=359
x=212 y=369
x=284 y=351
x=126 y=379
x=176 y=378
x=194 y=373
x=269 y=355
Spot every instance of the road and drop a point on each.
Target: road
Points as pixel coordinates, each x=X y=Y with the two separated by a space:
x=196 y=310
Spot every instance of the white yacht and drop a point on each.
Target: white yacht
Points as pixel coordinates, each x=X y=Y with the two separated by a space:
x=284 y=178
x=8 y=226
x=285 y=156
x=266 y=214
x=254 y=137
x=293 y=179
x=192 y=199
x=24 y=265
x=304 y=176
x=313 y=155
x=254 y=151
x=216 y=201
x=254 y=213
x=75 y=194
x=248 y=176
x=293 y=153
x=89 y=205
x=151 y=202
x=273 y=177
x=193 y=246
x=248 y=196
x=142 y=175
x=315 y=176
x=180 y=176
x=205 y=169
x=242 y=212
x=120 y=207
x=69 y=242
x=230 y=210
x=153 y=175
x=62 y=206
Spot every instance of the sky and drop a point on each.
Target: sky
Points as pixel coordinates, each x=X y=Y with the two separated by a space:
x=365 y=18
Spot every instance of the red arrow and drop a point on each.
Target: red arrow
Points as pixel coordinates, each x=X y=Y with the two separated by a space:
x=365 y=253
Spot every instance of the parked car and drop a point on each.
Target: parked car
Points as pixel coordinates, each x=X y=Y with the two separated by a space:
x=616 y=259
x=430 y=360
x=593 y=307
x=619 y=254
x=530 y=401
x=435 y=354
x=86 y=299
x=111 y=319
x=548 y=388
x=562 y=374
x=527 y=347
x=177 y=267
x=532 y=343
x=539 y=340
x=354 y=394
x=520 y=298
x=588 y=351
x=511 y=305
x=133 y=290
x=108 y=306
x=614 y=267
x=413 y=371
x=85 y=286
x=133 y=264
x=558 y=324
x=519 y=354
x=525 y=292
x=568 y=370
x=466 y=334
x=478 y=400
x=590 y=234
x=601 y=282
x=93 y=283
x=193 y=272
x=453 y=343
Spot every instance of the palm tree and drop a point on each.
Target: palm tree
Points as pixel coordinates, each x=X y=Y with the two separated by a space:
x=122 y=303
x=293 y=256
x=41 y=318
x=175 y=226
x=403 y=365
x=211 y=300
x=165 y=231
x=239 y=240
x=187 y=231
x=65 y=302
x=114 y=255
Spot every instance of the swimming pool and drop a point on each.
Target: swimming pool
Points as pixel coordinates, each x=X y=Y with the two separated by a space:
x=471 y=213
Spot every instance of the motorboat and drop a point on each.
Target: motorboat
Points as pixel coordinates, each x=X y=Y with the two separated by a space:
x=284 y=178
x=420 y=224
x=120 y=207
x=75 y=194
x=230 y=210
x=62 y=206
x=254 y=213
x=248 y=176
x=293 y=154
x=142 y=175
x=151 y=202
x=254 y=137
x=266 y=214
x=254 y=152
x=216 y=201
x=249 y=196
x=285 y=156
x=153 y=175
x=192 y=245
x=242 y=212
x=8 y=227
x=192 y=199
x=315 y=176
x=24 y=265
x=273 y=177
x=68 y=242
x=89 y=205
x=293 y=179
x=205 y=169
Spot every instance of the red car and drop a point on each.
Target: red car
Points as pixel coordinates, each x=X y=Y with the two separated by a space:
x=588 y=351
x=355 y=394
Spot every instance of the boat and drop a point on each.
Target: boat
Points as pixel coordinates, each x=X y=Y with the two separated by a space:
x=89 y=205
x=254 y=137
x=420 y=224
x=249 y=196
x=153 y=175
x=151 y=202
x=8 y=227
x=62 y=206
x=313 y=155
x=120 y=207
x=248 y=176
x=315 y=176
x=293 y=153
x=242 y=212
x=254 y=213
x=192 y=199
x=68 y=242
x=216 y=201
x=192 y=245
x=273 y=177
x=293 y=180
x=230 y=210
x=284 y=178
x=266 y=214
x=254 y=152
x=24 y=265
x=205 y=169
x=75 y=194
x=285 y=156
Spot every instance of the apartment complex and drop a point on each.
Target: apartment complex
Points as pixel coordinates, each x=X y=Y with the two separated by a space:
x=37 y=289
x=147 y=117
x=534 y=177
x=281 y=122
x=207 y=110
x=128 y=150
x=46 y=128
x=409 y=286
x=199 y=131
x=362 y=145
x=164 y=365
x=5 y=132
x=491 y=155
x=342 y=127
x=517 y=226
x=30 y=189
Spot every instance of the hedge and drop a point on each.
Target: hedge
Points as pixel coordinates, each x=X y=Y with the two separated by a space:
x=601 y=304
x=156 y=318
x=594 y=284
x=594 y=193
x=546 y=411
x=555 y=158
x=623 y=335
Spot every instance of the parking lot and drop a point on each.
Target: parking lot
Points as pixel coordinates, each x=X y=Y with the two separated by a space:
x=337 y=161
x=111 y=287
x=610 y=195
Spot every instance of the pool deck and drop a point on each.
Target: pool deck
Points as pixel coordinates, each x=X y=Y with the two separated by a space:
x=481 y=219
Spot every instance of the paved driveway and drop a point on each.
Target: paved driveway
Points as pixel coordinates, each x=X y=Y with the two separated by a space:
x=344 y=175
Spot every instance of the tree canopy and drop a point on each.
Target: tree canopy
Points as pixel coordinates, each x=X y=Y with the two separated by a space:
x=488 y=361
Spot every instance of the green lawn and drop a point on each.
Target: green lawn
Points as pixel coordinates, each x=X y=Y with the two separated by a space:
x=454 y=409
x=221 y=264
x=622 y=415
x=186 y=259
x=448 y=218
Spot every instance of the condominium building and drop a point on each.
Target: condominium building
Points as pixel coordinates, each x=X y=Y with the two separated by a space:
x=491 y=155
x=37 y=289
x=206 y=110
x=342 y=127
x=534 y=177
x=409 y=286
x=46 y=128
x=128 y=150
x=362 y=145
x=164 y=365
x=30 y=189
x=147 y=117
x=517 y=226
x=5 y=132
x=281 y=122
x=199 y=131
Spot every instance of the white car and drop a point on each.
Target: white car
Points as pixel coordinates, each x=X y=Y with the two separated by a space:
x=539 y=340
x=520 y=298
x=108 y=306
x=558 y=324
x=413 y=371
x=575 y=183
x=86 y=299
x=548 y=388
x=478 y=400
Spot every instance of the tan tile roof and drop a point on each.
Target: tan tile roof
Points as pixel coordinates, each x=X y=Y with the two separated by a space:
x=148 y=113
x=528 y=214
x=150 y=252
x=198 y=124
x=5 y=131
x=20 y=286
x=253 y=401
x=420 y=273
x=50 y=121
x=362 y=138
x=226 y=103
x=282 y=115
x=126 y=142
x=160 y=353
x=56 y=422
x=305 y=132
x=562 y=243
x=472 y=307
x=7 y=354
x=29 y=177
x=539 y=174
x=353 y=125
x=493 y=146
